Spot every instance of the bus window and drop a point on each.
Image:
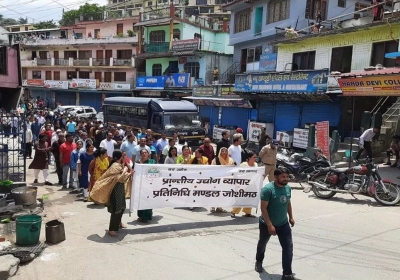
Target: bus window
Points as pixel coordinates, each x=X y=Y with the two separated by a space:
x=156 y=120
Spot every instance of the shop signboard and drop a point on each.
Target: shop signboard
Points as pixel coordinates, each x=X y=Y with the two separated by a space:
x=83 y=83
x=33 y=83
x=240 y=103
x=228 y=92
x=284 y=138
x=185 y=45
x=122 y=86
x=56 y=84
x=204 y=92
x=254 y=130
x=300 y=138
x=150 y=82
x=267 y=62
x=177 y=80
x=323 y=140
x=379 y=85
x=305 y=81
x=217 y=133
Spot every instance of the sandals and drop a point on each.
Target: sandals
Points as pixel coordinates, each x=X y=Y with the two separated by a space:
x=220 y=210
x=113 y=234
x=249 y=216
x=233 y=215
x=121 y=225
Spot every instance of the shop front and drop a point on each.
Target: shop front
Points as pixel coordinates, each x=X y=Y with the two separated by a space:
x=221 y=108
x=290 y=99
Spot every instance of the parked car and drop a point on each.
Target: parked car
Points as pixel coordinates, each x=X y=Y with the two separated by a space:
x=65 y=109
x=83 y=112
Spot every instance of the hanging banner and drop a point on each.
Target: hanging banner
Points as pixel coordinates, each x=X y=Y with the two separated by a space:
x=300 y=138
x=83 y=83
x=378 y=85
x=56 y=84
x=254 y=130
x=163 y=185
x=322 y=131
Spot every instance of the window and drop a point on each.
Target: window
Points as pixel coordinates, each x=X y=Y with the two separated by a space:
x=68 y=54
x=206 y=10
x=78 y=35
x=341 y=59
x=48 y=75
x=119 y=76
x=303 y=61
x=120 y=28
x=157 y=70
x=157 y=36
x=341 y=3
x=72 y=75
x=313 y=7
x=149 y=4
x=57 y=75
x=201 y=2
x=278 y=10
x=96 y=33
x=242 y=20
x=253 y=54
x=107 y=77
x=15 y=29
x=124 y=54
x=379 y=50
x=177 y=34
x=193 y=68
x=3 y=60
x=43 y=54
x=221 y=2
x=36 y=74
x=85 y=54
x=84 y=75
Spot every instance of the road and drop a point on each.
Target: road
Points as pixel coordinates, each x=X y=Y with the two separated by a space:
x=338 y=239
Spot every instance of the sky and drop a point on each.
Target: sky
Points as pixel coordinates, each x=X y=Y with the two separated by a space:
x=41 y=10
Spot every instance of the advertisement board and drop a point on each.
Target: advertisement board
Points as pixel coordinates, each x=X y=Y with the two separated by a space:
x=33 y=83
x=267 y=62
x=175 y=80
x=83 y=83
x=300 y=138
x=284 y=138
x=56 y=84
x=310 y=81
x=185 y=45
x=371 y=86
x=254 y=130
x=323 y=140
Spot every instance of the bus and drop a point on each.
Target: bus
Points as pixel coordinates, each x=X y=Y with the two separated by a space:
x=160 y=115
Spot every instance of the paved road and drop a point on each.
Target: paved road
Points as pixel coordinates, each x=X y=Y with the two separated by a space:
x=339 y=239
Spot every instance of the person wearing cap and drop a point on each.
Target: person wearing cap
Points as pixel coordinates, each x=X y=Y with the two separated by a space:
x=121 y=132
x=65 y=159
x=268 y=157
x=239 y=133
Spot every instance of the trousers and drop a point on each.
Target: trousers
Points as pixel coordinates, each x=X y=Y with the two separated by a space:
x=269 y=172
x=59 y=171
x=65 y=170
x=367 y=148
x=45 y=173
x=284 y=234
x=115 y=221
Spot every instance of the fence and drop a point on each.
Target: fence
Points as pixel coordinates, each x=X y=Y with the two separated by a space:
x=12 y=147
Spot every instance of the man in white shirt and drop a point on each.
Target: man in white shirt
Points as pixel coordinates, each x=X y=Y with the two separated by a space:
x=41 y=120
x=161 y=143
x=235 y=151
x=136 y=151
x=108 y=144
x=365 y=141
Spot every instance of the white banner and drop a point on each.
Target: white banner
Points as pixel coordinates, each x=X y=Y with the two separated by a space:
x=254 y=130
x=56 y=84
x=83 y=83
x=167 y=185
x=300 y=138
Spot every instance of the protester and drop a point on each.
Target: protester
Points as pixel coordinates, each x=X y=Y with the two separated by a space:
x=83 y=170
x=251 y=162
x=224 y=142
x=55 y=149
x=172 y=156
x=97 y=167
x=110 y=190
x=145 y=215
x=138 y=148
x=66 y=149
x=208 y=150
x=161 y=143
x=186 y=156
x=128 y=184
x=393 y=150
x=198 y=157
x=74 y=163
x=275 y=209
x=235 y=150
x=41 y=160
x=128 y=146
x=171 y=143
x=108 y=144
x=28 y=142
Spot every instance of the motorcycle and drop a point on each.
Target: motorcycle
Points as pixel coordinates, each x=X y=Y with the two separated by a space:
x=300 y=167
x=363 y=179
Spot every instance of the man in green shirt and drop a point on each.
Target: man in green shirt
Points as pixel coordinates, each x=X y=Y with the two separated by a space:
x=275 y=209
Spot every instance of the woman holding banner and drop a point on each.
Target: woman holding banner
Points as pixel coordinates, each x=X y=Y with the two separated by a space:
x=185 y=157
x=251 y=162
x=172 y=156
x=145 y=215
x=222 y=159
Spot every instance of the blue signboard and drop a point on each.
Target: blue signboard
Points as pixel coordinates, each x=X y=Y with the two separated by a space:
x=305 y=81
x=176 y=80
x=267 y=62
x=156 y=82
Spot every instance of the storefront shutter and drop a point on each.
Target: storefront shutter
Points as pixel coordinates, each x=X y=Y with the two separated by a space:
x=92 y=99
x=266 y=112
x=321 y=111
x=287 y=116
x=238 y=117
x=65 y=97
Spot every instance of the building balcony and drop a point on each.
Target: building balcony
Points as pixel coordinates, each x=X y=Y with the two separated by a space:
x=161 y=47
x=83 y=41
x=87 y=62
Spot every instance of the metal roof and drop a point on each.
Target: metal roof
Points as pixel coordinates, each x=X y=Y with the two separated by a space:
x=166 y=105
x=385 y=71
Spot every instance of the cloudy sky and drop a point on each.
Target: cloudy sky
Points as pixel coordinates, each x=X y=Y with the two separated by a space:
x=40 y=10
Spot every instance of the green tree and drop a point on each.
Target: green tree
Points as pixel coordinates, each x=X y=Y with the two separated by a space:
x=7 y=21
x=22 y=20
x=45 y=24
x=86 y=11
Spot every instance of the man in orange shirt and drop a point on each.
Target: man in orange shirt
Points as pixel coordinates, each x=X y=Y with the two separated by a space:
x=65 y=157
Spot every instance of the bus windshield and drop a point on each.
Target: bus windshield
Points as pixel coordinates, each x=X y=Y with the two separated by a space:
x=178 y=120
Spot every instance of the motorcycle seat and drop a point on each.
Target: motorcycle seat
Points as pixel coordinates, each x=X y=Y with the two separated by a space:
x=338 y=170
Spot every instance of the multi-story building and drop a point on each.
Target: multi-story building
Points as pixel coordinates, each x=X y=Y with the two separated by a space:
x=209 y=8
x=19 y=27
x=285 y=50
x=10 y=69
x=79 y=64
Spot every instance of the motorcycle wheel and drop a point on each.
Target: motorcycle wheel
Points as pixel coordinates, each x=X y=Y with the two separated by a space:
x=390 y=199
x=320 y=193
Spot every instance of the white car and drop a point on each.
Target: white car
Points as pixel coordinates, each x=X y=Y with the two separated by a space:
x=65 y=109
x=100 y=116
x=83 y=112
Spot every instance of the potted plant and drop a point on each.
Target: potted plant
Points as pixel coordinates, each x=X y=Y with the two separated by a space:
x=131 y=33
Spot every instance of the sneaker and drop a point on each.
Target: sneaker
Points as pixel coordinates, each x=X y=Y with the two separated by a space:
x=36 y=181
x=290 y=277
x=71 y=187
x=64 y=186
x=47 y=183
x=259 y=268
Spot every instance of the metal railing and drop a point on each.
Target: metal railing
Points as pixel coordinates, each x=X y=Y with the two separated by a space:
x=159 y=47
x=122 y=62
x=46 y=61
x=61 y=61
x=81 y=62
x=397 y=103
x=101 y=62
